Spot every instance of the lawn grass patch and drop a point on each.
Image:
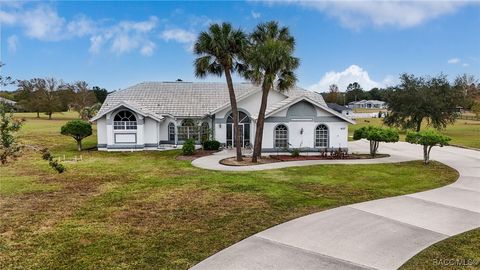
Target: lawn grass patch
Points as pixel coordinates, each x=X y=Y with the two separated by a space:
x=147 y=210
x=462 y=249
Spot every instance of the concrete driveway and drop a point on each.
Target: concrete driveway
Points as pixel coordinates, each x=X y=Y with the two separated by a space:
x=379 y=234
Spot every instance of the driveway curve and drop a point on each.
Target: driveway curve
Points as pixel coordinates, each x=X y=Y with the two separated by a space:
x=379 y=234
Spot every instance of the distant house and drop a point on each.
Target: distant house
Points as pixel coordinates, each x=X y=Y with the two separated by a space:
x=153 y=115
x=340 y=109
x=7 y=101
x=367 y=104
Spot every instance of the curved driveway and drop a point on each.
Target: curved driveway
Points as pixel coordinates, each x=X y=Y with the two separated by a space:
x=379 y=234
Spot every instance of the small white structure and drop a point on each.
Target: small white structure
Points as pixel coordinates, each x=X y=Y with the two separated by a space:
x=156 y=115
x=367 y=104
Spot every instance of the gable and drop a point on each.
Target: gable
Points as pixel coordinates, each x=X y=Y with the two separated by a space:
x=302 y=108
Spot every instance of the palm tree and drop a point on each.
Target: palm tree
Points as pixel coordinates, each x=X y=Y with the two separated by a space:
x=219 y=52
x=271 y=64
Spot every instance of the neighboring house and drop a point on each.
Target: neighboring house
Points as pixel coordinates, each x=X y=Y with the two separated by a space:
x=341 y=109
x=367 y=104
x=7 y=101
x=152 y=115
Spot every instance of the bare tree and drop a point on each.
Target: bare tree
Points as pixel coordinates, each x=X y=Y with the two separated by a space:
x=50 y=101
x=83 y=97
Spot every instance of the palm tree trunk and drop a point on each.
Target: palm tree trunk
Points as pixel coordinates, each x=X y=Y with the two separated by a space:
x=257 y=148
x=233 y=104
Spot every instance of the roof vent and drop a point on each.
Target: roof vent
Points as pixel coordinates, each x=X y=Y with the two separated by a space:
x=179 y=80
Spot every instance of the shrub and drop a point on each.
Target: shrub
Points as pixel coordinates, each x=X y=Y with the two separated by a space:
x=429 y=139
x=188 y=147
x=376 y=135
x=211 y=145
x=78 y=130
x=9 y=147
x=295 y=152
x=46 y=155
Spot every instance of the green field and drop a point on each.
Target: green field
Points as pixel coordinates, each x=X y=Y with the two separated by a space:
x=146 y=210
x=463 y=132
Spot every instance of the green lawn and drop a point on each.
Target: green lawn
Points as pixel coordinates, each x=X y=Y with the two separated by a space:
x=463 y=132
x=462 y=249
x=146 y=210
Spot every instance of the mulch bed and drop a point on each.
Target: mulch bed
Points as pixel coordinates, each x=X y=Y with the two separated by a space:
x=197 y=154
x=319 y=157
x=232 y=161
x=247 y=161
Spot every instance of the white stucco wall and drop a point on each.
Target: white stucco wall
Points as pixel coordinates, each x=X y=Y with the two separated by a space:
x=101 y=131
x=151 y=131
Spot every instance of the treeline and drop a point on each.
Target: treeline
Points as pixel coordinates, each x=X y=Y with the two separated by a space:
x=467 y=87
x=49 y=95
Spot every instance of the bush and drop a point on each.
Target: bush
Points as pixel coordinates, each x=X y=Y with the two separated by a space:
x=428 y=139
x=78 y=130
x=376 y=135
x=46 y=155
x=295 y=152
x=211 y=145
x=188 y=147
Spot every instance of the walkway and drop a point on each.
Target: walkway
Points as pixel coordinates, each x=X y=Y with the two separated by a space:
x=380 y=234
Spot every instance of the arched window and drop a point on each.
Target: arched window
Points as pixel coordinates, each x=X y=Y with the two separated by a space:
x=204 y=129
x=244 y=127
x=124 y=120
x=281 y=136
x=171 y=132
x=321 y=136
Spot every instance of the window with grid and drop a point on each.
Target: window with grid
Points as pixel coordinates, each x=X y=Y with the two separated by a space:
x=124 y=120
x=281 y=136
x=171 y=132
x=321 y=136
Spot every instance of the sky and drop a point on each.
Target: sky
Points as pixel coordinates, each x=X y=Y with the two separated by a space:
x=118 y=44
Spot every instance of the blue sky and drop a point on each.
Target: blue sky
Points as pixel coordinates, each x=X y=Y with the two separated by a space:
x=117 y=44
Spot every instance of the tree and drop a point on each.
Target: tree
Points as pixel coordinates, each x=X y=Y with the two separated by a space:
x=476 y=109
x=376 y=135
x=5 y=80
x=100 y=94
x=354 y=92
x=9 y=148
x=219 y=51
x=467 y=85
x=91 y=111
x=334 y=95
x=78 y=130
x=30 y=94
x=271 y=64
x=83 y=97
x=50 y=102
x=429 y=139
x=418 y=99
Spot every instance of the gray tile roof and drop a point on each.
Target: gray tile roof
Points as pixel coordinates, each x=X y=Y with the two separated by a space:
x=7 y=101
x=186 y=99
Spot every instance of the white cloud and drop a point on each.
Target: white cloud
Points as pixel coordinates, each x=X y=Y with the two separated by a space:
x=465 y=64
x=148 y=48
x=181 y=36
x=351 y=74
x=42 y=23
x=453 y=61
x=12 y=42
x=256 y=15
x=402 y=14
x=81 y=26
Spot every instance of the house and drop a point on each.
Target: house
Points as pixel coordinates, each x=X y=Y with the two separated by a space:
x=153 y=115
x=340 y=109
x=7 y=101
x=367 y=104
